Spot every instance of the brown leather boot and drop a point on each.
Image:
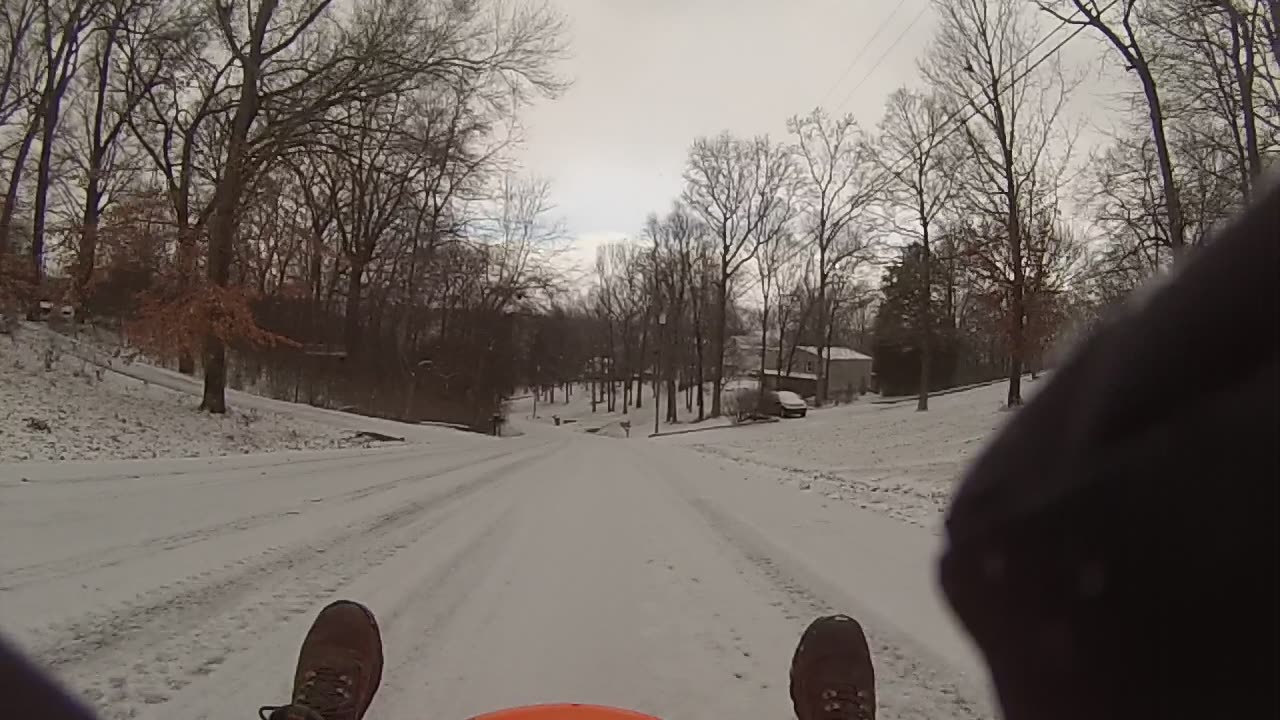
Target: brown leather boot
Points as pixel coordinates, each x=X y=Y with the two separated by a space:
x=339 y=667
x=831 y=673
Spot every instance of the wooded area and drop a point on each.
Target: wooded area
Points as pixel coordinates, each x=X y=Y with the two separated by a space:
x=320 y=201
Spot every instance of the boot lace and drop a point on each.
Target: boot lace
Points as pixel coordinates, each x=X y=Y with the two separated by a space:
x=325 y=694
x=843 y=701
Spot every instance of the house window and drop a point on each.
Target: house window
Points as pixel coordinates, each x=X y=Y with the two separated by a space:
x=808 y=366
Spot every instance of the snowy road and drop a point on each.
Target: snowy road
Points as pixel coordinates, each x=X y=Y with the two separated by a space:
x=552 y=567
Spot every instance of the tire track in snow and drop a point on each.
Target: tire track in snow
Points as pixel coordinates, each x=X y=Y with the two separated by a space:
x=907 y=687
x=86 y=472
x=98 y=558
x=431 y=605
x=186 y=628
x=412 y=598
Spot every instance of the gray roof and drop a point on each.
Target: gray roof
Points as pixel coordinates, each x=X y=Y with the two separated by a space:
x=836 y=353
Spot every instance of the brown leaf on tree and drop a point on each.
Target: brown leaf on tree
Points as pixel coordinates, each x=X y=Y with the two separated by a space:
x=169 y=326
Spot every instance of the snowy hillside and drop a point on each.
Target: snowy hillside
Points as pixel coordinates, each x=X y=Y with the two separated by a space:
x=65 y=400
x=887 y=458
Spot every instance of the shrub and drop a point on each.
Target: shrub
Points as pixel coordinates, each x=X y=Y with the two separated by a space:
x=742 y=404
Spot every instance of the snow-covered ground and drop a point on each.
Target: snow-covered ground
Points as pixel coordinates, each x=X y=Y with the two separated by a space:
x=671 y=575
x=576 y=414
x=887 y=458
x=556 y=566
x=61 y=399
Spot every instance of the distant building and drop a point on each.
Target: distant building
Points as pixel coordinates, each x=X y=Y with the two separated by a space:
x=742 y=356
x=849 y=371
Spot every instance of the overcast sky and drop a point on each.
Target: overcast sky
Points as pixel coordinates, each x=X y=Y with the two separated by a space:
x=651 y=75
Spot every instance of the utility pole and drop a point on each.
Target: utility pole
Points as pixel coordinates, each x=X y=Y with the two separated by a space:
x=657 y=372
x=537 y=372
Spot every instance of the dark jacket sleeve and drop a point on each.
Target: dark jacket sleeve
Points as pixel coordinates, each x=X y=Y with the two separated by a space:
x=1113 y=552
x=25 y=692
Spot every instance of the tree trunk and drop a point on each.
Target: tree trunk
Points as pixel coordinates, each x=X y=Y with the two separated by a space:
x=609 y=373
x=1244 y=76
x=700 y=374
x=351 y=329
x=717 y=340
x=639 y=380
x=186 y=270
x=628 y=367
x=1017 y=329
x=670 y=362
x=86 y=253
x=1015 y=382
x=1013 y=231
x=926 y=318
x=1173 y=201
x=824 y=361
x=222 y=222
x=820 y=389
x=764 y=350
x=611 y=388
x=221 y=234
x=698 y=360
x=1136 y=60
x=44 y=169
x=778 y=365
x=10 y=203
x=669 y=368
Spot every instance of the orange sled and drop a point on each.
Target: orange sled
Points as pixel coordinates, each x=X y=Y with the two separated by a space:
x=567 y=711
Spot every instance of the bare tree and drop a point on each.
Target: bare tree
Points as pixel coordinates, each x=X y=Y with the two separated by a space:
x=1245 y=62
x=455 y=125
x=697 y=274
x=1219 y=84
x=18 y=18
x=734 y=187
x=1124 y=35
x=1051 y=263
x=1218 y=99
x=299 y=63
x=610 y=272
x=835 y=191
x=775 y=263
x=379 y=167
x=1125 y=195
x=982 y=63
x=789 y=302
x=916 y=151
x=59 y=30
x=133 y=42
x=172 y=127
x=676 y=238
x=521 y=242
x=18 y=102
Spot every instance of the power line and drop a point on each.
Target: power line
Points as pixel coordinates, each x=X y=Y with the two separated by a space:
x=883 y=24
x=885 y=54
x=892 y=170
